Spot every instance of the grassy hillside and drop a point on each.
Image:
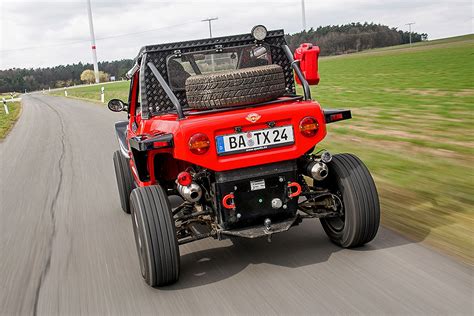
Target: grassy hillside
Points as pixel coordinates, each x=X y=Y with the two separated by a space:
x=413 y=117
x=412 y=125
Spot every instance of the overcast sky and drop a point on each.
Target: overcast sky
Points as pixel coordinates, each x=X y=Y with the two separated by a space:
x=48 y=33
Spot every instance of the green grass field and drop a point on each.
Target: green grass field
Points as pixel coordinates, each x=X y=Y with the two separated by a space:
x=116 y=90
x=412 y=125
x=7 y=121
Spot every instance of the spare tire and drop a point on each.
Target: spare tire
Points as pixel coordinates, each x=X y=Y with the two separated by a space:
x=235 y=87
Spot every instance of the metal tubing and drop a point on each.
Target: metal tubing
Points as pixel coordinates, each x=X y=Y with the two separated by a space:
x=296 y=68
x=167 y=89
x=193 y=238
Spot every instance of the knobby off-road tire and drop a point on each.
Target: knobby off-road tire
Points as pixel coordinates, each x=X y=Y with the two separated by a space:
x=236 y=87
x=155 y=235
x=124 y=180
x=350 y=177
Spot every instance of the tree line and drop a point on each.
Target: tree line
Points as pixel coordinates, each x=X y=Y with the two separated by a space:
x=21 y=79
x=352 y=37
x=332 y=39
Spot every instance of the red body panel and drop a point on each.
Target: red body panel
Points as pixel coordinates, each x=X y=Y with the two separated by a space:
x=223 y=123
x=177 y=158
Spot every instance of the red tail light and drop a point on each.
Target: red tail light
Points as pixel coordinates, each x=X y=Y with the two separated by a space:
x=309 y=126
x=199 y=144
x=185 y=178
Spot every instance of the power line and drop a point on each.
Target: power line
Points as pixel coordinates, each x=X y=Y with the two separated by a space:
x=99 y=38
x=409 y=26
x=209 y=20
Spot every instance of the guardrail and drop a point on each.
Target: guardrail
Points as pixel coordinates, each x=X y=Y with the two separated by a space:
x=5 y=105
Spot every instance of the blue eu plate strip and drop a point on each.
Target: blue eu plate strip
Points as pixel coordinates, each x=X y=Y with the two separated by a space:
x=220 y=144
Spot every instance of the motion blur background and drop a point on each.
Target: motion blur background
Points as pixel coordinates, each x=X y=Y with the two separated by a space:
x=412 y=104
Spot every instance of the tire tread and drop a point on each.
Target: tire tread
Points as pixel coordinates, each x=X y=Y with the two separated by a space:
x=154 y=205
x=124 y=179
x=235 y=87
x=361 y=225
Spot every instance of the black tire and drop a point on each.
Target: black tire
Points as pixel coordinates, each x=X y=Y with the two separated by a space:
x=155 y=235
x=124 y=180
x=236 y=87
x=352 y=180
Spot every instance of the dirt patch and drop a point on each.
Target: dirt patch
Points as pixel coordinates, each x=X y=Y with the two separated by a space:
x=429 y=92
x=411 y=135
x=432 y=92
x=425 y=92
x=464 y=93
x=409 y=148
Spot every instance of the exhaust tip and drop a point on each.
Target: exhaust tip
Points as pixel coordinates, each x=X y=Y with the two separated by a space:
x=319 y=171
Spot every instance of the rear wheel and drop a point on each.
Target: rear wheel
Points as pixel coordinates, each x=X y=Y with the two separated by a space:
x=124 y=180
x=350 y=179
x=155 y=235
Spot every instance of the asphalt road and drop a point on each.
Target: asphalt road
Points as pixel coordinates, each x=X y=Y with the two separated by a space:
x=66 y=248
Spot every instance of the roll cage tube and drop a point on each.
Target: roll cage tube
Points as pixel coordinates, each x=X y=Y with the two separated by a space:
x=194 y=65
x=167 y=90
x=133 y=97
x=296 y=68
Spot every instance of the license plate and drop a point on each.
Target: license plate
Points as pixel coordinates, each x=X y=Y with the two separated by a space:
x=254 y=140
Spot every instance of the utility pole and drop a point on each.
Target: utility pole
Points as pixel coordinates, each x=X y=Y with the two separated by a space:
x=409 y=27
x=303 y=13
x=210 y=27
x=94 y=52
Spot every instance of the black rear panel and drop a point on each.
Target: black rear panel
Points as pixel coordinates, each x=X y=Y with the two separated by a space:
x=254 y=189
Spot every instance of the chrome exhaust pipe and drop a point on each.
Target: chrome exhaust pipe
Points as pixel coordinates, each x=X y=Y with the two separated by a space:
x=317 y=170
x=191 y=193
x=316 y=166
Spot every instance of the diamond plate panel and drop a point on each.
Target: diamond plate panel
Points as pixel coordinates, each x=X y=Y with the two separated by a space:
x=154 y=99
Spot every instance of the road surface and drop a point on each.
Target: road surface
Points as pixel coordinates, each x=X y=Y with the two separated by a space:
x=67 y=248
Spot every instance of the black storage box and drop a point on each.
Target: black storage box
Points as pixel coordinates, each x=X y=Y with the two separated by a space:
x=254 y=189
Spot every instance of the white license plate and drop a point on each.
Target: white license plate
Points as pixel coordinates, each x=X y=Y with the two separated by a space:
x=254 y=140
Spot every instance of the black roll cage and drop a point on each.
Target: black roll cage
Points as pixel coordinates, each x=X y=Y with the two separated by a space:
x=275 y=39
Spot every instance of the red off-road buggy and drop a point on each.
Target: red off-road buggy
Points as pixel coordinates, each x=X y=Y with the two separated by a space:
x=217 y=122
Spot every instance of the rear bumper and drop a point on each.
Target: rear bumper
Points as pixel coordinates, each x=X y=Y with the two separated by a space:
x=261 y=230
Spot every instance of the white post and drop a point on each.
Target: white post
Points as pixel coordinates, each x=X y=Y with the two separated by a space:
x=49 y=88
x=94 y=52
x=5 y=106
x=65 y=92
x=11 y=94
x=43 y=91
x=303 y=13
x=102 y=95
